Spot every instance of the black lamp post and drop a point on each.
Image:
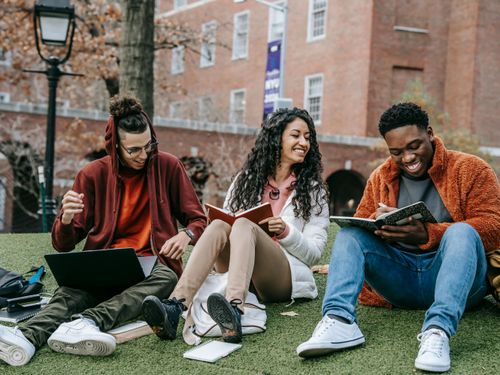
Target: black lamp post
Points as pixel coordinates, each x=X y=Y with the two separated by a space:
x=54 y=24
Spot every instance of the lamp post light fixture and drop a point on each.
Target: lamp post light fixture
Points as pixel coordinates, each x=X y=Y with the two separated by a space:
x=54 y=25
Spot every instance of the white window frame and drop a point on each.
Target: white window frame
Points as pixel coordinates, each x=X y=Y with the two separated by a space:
x=172 y=109
x=4 y=97
x=177 y=63
x=203 y=110
x=179 y=4
x=233 y=110
x=236 y=55
x=307 y=97
x=7 y=60
x=310 y=22
x=275 y=15
x=3 y=202
x=207 y=52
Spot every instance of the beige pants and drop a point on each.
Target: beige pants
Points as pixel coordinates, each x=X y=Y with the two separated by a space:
x=247 y=253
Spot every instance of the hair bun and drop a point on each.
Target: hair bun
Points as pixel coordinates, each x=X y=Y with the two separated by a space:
x=124 y=105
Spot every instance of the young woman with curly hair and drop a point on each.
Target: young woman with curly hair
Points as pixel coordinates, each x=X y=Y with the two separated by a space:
x=284 y=169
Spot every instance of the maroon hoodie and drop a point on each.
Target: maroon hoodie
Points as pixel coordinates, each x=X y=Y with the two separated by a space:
x=171 y=197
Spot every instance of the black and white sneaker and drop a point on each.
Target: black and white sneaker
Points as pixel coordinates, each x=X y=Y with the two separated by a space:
x=227 y=316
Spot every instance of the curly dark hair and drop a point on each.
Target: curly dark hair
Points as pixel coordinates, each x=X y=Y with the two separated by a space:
x=128 y=113
x=403 y=114
x=264 y=158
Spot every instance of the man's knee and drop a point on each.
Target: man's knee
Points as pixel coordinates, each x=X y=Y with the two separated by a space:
x=462 y=230
x=461 y=238
x=165 y=273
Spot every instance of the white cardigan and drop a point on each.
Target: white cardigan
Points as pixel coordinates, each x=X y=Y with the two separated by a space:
x=303 y=245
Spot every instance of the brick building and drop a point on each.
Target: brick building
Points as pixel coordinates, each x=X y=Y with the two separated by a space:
x=346 y=62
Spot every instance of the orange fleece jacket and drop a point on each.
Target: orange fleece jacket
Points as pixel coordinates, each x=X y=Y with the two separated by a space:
x=468 y=187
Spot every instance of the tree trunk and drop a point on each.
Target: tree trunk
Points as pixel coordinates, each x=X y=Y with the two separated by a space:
x=137 y=52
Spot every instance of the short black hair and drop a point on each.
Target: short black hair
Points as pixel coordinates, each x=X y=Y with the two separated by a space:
x=403 y=114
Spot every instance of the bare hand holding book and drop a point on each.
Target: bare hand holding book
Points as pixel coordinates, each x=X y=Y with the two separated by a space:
x=400 y=216
x=254 y=214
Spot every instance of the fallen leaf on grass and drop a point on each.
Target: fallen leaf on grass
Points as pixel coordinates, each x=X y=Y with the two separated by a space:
x=289 y=313
x=320 y=268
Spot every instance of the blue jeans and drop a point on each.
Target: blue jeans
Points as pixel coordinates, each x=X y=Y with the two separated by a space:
x=444 y=282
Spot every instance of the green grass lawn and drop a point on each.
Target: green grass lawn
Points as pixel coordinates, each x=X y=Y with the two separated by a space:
x=390 y=347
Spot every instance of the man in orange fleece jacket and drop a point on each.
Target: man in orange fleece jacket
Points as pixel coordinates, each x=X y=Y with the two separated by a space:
x=439 y=266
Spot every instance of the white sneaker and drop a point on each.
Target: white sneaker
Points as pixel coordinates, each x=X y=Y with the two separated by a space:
x=15 y=349
x=81 y=337
x=434 y=352
x=330 y=335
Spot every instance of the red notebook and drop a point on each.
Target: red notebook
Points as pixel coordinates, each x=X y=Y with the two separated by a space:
x=254 y=214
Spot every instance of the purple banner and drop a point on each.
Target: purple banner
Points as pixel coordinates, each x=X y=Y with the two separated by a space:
x=272 y=82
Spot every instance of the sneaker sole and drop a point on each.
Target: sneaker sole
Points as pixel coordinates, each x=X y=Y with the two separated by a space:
x=13 y=354
x=221 y=312
x=92 y=346
x=318 y=349
x=156 y=316
x=432 y=368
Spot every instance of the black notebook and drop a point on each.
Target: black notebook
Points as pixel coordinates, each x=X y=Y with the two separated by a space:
x=417 y=211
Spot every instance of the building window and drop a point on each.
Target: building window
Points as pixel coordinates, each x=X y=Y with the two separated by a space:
x=412 y=16
x=314 y=96
x=176 y=110
x=317 y=19
x=177 y=65
x=240 y=35
x=237 y=107
x=208 y=45
x=5 y=58
x=276 y=23
x=179 y=3
x=206 y=109
x=4 y=97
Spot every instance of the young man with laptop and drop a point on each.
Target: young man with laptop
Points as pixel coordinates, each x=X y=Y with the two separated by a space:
x=131 y=198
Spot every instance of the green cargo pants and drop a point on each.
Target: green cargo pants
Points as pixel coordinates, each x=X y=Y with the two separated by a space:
x=104 y=311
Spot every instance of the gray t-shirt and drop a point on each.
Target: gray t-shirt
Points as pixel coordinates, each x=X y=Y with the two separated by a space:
x=412 y=190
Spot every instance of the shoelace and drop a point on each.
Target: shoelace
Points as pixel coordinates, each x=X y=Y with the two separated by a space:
x=323 y=326
x=16 y=330
x=432 y=340
x=176 y=302
x=235 y=303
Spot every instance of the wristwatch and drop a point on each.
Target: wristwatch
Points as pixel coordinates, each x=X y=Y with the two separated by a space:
x=190 y=233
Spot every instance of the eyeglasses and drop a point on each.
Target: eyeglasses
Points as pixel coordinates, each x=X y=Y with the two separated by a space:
x=136 y=151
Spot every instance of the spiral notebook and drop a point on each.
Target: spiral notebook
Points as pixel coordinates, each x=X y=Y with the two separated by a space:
x=18 y=316
x=23 y=314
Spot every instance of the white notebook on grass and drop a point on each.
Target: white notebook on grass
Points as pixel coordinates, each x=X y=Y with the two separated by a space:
x=211 y=351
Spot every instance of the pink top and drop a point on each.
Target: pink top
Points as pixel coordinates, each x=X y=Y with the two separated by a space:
x=277 y=195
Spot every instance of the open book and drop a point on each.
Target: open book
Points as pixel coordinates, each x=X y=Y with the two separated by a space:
x=254 y=214
x=400 y=216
